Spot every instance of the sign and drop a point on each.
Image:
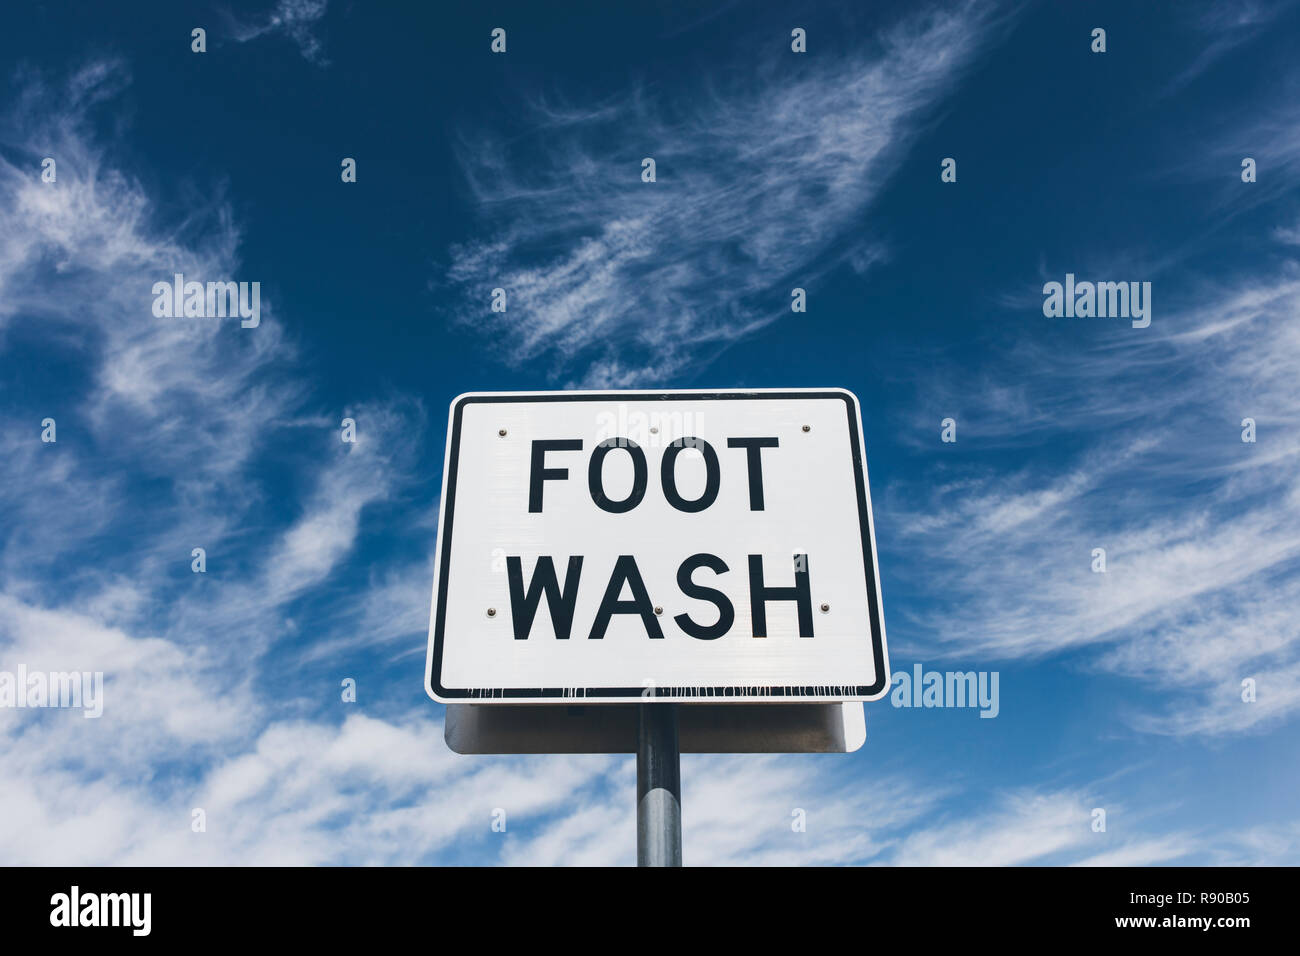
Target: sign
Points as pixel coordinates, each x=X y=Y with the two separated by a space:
x=605 y=547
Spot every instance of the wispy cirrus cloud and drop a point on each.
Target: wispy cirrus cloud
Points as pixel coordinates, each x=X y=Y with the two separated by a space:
x=1201 y=530
x=762 y=184
x=165 y=423
x=1225 y=28
x=298 y=20
x=1132 y=441
x=172 y=434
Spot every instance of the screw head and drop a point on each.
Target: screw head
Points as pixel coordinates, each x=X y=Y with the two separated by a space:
x=825 y=608
x=501 y=432
x=659 y=610
x=492 y=612
x=807 y=428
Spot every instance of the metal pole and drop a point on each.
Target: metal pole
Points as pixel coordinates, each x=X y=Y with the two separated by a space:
x=658 y=787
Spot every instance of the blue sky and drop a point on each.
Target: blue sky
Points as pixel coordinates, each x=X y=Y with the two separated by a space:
x=1120 y=691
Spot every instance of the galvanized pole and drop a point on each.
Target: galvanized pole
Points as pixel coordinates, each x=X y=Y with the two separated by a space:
x=658 y=787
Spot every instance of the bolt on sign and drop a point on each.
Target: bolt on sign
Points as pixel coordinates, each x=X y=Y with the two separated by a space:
x=705 y=546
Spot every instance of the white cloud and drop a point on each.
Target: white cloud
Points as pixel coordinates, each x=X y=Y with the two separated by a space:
x=1025 y=829
x=1224 y=29
x=299 y=20
x=741 y=810
x=761 y=186
x=166 y=422
x=1144 y=853
x=1201 y=530
x=175 y=401
x=1274 y=844
x=166 y=430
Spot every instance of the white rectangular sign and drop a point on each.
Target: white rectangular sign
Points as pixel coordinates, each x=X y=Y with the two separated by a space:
x=683 y=545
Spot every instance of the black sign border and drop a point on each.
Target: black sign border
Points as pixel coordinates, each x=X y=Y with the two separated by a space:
x=433 y=677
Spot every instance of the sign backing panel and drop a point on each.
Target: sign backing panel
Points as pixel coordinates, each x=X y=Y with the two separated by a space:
x=612 y=728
